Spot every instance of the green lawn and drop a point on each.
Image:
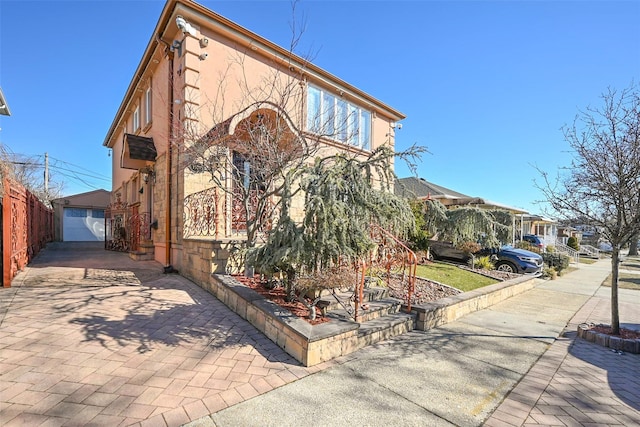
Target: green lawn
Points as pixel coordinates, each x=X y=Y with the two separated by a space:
x=625 y=281
x=453 y=275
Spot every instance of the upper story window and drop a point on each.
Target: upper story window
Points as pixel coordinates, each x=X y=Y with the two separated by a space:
x=136 y=118
x=335 y=118
x=147 y=106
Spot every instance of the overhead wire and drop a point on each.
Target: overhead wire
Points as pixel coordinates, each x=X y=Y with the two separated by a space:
x=72 y=174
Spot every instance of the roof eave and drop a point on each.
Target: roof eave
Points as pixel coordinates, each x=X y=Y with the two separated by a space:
x=162 y=25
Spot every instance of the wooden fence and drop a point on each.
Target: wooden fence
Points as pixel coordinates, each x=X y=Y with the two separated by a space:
x=27 y=226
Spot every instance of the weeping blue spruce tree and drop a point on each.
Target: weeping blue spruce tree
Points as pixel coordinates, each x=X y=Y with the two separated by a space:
x=343 y=196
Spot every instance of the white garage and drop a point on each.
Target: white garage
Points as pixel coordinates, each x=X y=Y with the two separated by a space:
x=80 y=218
x=82 y=225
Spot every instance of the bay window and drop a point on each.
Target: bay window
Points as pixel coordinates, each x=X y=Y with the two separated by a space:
x=333 y=117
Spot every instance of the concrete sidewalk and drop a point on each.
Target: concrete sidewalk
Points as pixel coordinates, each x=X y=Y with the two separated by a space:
x=459 y=374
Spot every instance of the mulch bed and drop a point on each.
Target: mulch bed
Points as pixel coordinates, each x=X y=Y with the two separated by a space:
x=425 y=291
x=494 y=274
x=278 y=296
x=626 y=334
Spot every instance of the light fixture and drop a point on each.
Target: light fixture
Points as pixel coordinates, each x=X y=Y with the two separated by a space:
x=184 y=26
x=147 y=174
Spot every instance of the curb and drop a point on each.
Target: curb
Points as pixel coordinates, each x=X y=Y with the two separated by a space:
x=586 y=332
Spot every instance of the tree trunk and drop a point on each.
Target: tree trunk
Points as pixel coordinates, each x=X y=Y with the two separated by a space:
x=290 y=285
x=615 y=267
x=633 y=245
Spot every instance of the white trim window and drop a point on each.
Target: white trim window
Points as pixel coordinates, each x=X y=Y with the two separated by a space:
x=147 y=106
x=331 y=116
x=136 y=118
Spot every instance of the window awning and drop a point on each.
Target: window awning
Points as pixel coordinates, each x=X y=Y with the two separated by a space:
x=137 y=151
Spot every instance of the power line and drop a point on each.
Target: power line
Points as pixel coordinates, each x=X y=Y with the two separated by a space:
x=78 y=179
x=79 y=167
x=100 y=177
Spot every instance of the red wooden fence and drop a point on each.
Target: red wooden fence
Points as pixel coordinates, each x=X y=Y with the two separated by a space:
x=27 y=226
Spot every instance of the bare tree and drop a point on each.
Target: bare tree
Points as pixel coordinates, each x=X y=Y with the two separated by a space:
x=602 y=185
x=260 y=140
x=29 y=171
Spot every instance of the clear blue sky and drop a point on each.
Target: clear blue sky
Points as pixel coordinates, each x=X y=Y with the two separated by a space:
x=485 y=85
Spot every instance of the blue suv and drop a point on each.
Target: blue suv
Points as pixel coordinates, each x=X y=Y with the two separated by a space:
x=507 y=258
x=513 y=260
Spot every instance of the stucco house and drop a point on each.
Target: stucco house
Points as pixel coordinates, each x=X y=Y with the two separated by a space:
x=203 y=80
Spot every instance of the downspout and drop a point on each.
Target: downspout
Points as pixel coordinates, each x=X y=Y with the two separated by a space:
x=168 y=268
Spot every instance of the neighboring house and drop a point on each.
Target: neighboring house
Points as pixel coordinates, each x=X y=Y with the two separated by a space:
x=203 y=73
x=80 y=218
x=422 y=189
x=567 y=231
x=4 y=107
x=543 y=227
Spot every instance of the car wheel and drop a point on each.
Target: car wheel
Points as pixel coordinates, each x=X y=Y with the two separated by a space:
x=507 y=267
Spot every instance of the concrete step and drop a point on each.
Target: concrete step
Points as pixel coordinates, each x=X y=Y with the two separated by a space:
x=141 y=256
x=376 y=309
x=384 y=328
x=329 y=303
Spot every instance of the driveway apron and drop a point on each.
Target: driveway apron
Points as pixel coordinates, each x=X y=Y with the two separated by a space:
x=90 y=337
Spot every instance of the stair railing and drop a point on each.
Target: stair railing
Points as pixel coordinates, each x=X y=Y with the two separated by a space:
x=390 y=254
x=564 y=249
x=590 y=250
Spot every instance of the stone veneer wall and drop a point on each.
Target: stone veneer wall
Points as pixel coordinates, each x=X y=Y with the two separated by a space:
x=313 y=344
x=449 y=309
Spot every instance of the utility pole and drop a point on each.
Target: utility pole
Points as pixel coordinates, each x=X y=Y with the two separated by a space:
x=46 y=175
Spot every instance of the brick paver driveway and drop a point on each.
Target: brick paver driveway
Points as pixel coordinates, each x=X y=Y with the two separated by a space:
x=89 y=337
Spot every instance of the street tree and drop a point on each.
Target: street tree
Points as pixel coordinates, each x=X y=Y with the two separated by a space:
x=602 y=184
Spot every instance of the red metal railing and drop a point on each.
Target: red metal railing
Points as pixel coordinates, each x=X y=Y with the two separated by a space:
x=201 y=217
x=27 y=227
x=206 y=214
x=396 y=259
x=139 y=226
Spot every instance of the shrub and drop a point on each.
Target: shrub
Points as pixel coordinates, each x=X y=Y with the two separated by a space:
x=527 y=246
x=556 y=260
x=550 y=249
x=549 y=273
x=422 y=256
x=573 y=243
x=483 y=263
x=469 y=247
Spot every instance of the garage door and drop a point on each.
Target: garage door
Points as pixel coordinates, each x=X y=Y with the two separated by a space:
x=83 y=225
